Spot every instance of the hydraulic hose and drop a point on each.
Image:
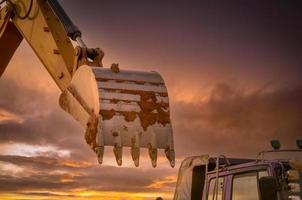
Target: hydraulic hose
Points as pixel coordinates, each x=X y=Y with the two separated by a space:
x=72 y=31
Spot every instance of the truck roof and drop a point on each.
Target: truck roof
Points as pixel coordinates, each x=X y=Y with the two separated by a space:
x=236 y=163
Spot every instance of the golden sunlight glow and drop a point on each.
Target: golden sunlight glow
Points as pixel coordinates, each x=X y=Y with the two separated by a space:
x=9 y=169
x=77 y=164
x=91 y=195
x=188 y=93
x=157 y=184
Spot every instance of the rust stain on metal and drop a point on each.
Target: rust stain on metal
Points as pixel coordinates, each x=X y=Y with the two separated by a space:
x=115 y=67
x=115 y=134
x=91 y=131
x=107 y=114
x=129 y=116
x=133 y=142
x=147 y=119
x=102 y=80
x=148 y=105
x=92 y=124
x=99 y=79
x=63 y=101
x=115 y=101
x=151 y=111
x=135 y=92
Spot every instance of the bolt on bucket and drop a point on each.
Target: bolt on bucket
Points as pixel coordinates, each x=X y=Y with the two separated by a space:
x=121 y=109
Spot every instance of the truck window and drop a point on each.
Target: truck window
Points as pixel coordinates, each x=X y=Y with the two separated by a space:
x=211 y=191
x=198 y=179
x=245 y=186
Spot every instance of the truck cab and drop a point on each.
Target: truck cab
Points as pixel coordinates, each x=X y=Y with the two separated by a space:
x=222 y=178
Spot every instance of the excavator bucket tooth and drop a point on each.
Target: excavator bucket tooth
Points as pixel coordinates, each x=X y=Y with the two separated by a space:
x=121 y=108
x=100 y=153
x=135 y=156
x=135 y=151
x=170 y=154
x=118 y=153
x=153 y=155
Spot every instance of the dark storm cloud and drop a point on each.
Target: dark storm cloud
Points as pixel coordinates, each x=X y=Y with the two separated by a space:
x=16 y=98
x=50 y=162
x=239 y=123
x=33 y=182
x=53 y=129
x=43 y=122
x=45 y=194
x=40 y=173
x=75 y=175
x=32 y=131
x=256 y=40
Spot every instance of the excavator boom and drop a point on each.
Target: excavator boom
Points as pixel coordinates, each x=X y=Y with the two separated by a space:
x=116 y=107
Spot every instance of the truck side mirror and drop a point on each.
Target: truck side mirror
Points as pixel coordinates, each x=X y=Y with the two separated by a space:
x=268 y=188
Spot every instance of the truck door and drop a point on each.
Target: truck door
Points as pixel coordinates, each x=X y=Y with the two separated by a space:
x=191 y=178
x=211 y=189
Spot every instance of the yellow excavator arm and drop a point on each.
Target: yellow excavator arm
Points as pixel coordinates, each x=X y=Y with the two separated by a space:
x=47 y=36
x=116 y=107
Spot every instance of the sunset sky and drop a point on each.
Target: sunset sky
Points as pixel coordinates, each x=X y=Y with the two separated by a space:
x=233 y=71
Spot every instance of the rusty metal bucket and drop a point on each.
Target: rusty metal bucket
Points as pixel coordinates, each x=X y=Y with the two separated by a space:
x=121 y=109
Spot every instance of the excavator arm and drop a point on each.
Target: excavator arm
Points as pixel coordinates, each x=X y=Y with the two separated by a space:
x=116 y=107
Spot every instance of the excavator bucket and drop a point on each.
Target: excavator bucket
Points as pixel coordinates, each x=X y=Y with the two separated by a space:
x=121 y=109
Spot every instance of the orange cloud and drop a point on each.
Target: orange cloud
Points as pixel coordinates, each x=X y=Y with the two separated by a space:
x=84 y=195
x=162 y=183
x=8 y=116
